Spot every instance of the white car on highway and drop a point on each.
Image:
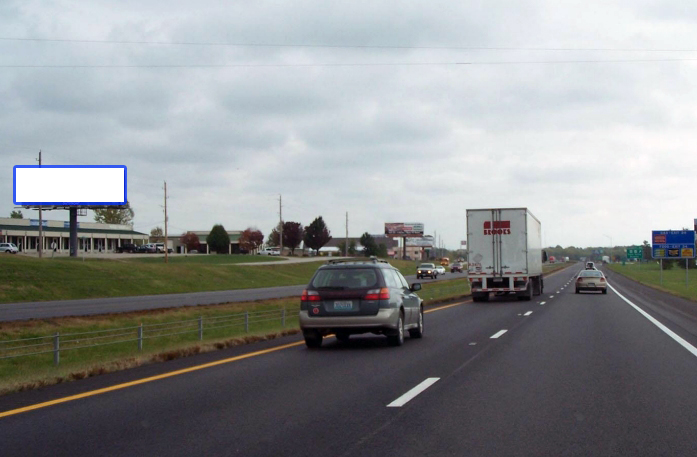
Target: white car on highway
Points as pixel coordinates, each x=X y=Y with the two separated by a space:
x=440 y=269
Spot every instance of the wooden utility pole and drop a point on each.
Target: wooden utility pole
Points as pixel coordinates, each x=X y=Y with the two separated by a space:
x=346 y=242
x=166 y=244
x=41 y=222
x=280 y=224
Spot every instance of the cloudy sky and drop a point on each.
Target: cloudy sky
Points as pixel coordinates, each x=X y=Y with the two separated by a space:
x=583 y=111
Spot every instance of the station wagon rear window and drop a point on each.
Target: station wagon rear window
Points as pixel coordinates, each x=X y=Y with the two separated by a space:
x=341 y=279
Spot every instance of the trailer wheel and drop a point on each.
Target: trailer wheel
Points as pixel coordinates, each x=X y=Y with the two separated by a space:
x=537 y=286
x=527 y=295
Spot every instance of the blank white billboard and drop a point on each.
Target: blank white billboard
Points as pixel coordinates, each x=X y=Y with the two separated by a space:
x=70 y=185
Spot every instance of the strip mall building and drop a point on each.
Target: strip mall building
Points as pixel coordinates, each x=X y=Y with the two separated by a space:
x=92 y=236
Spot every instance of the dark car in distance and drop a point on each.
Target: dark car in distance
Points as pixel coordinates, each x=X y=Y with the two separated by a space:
x=352 y=297
x=457 y=266
x=146 y=248
x=127 y=247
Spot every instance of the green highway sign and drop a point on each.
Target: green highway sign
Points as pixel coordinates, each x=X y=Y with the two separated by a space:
x=635 y=253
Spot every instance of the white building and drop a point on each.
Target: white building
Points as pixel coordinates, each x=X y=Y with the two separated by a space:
x=92 y=236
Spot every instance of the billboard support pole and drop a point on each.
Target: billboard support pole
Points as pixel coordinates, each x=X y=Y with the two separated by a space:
x=687 y=268
x=73 y=231
x=661 y=272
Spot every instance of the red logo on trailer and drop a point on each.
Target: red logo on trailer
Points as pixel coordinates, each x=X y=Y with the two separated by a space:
x=499 y=228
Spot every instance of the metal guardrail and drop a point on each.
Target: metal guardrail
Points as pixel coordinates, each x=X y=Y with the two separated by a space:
x=57 y=343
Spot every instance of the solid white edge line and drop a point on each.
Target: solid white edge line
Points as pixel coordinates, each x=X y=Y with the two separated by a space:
x=665 y=329
x=528 y=313
x=404 y=399
x=498 y=334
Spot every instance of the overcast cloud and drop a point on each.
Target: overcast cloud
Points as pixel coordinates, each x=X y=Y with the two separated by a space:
x=598 y=151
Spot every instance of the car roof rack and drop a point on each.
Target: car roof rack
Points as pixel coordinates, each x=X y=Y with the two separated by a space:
x=372 y=260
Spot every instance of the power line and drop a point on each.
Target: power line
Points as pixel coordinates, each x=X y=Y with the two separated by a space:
x=341 y=46
x=352 y=64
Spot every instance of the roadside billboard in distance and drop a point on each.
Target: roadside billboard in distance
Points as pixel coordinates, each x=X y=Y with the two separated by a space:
x=415 y=229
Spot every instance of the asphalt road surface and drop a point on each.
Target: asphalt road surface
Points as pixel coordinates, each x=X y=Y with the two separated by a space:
x=563 y=375
x=93 y=306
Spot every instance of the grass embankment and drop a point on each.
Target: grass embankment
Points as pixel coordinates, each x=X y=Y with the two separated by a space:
x=32 y=279
x=38 y=370
x=650 y=274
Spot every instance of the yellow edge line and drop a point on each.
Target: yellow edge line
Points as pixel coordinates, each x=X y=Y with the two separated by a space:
x=446 y=306
x=170 y=374
x=145 y=380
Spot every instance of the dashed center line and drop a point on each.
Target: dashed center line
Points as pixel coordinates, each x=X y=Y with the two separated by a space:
x=404 y=399
x=498 y=334
x=528 y=313
x=542 y=303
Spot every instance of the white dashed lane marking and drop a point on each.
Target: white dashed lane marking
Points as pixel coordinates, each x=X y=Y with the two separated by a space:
x=498 y=334
x=404 y=399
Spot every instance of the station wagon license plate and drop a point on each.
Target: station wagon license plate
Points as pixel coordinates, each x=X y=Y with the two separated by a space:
x=343 y=305
x=591 y=284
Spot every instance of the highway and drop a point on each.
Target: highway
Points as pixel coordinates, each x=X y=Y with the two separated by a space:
x=94 y=306
x=563 y=375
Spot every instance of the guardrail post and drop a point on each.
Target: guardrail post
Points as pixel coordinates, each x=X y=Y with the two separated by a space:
x=200 y=328
x=56 y=349
x=140 y=337
x=246 y=321
x=283 y=318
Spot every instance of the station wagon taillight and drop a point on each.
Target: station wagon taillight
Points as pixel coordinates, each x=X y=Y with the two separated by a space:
x=310 y=295
x=378 y=294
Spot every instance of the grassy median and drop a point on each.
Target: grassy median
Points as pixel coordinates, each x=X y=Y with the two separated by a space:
x=32 y=279
x=650 y=275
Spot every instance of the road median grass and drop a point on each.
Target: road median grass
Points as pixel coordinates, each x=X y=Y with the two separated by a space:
x=25 y=278
x=650 y=274
x=179 y=326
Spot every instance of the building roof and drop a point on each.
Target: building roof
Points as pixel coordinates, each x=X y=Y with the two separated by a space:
x=26 y=228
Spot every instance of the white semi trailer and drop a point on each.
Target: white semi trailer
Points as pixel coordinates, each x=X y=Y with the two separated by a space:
x=505 y=253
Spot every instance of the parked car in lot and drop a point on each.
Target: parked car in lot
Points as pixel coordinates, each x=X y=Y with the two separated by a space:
x=127 y=247
x=270 y=251
x=591 y=280
x=351 y=297
x=440 y=269
x=8 y=248
x=160 y=247
x=149 y=248
x=426 y=269
x=456 y=267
